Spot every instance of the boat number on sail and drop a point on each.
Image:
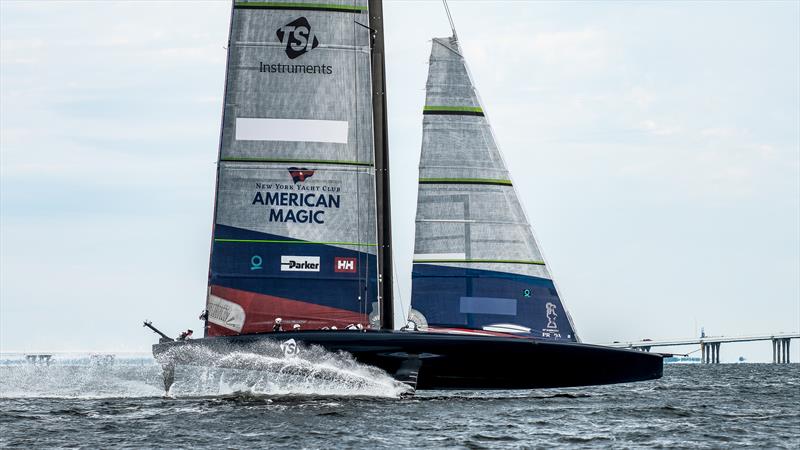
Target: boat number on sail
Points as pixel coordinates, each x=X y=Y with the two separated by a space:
x=290 y=348
x=344 y=265
x=299 y=263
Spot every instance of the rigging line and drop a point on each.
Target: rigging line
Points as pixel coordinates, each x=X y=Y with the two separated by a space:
x=362 y=299
x=450 y=18
x=406 y=312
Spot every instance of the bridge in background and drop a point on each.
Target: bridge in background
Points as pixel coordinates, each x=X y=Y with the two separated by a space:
x=709 y=345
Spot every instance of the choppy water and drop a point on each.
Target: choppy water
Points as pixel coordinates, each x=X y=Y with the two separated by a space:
x=330 y=401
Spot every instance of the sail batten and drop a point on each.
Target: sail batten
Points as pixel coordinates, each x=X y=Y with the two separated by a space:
x=476 y=263
x=305 y=6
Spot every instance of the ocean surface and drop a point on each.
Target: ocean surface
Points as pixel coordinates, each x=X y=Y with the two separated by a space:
x=330 y=401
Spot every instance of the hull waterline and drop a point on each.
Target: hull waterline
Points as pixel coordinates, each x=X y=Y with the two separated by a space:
x=448 y=361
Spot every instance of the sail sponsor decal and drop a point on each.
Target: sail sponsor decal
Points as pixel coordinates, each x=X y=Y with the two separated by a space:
x=292 y=130
x=297 y=37
x=268 y=67
x=299 y=263
x=225 y=313
x=344 y=265
x=300 y=175
x=298 y=202
x=256 y=262
x=286 y=205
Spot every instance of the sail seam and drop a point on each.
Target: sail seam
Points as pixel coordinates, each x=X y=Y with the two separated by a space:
x=277 y=241
x=297 y=161
x=491 y=261
x=301 y=6
x=464 y=181
x=453 y=110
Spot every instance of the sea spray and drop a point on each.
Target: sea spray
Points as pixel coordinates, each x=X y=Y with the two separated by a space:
x=80 y=378
x=264 y=369
x=256 y=370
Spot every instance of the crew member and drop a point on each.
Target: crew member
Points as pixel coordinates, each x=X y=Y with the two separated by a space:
x=296 y=327
x=185 y=336
x=278 y=326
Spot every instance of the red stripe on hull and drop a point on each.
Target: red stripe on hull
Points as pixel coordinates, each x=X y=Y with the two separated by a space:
x=262 y=310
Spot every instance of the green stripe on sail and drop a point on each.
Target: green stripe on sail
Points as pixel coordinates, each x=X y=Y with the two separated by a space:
x=272 y=241
x=298 y=161
x=474 y=109
x=491 y=261
x=464 y=181
x=297 y=5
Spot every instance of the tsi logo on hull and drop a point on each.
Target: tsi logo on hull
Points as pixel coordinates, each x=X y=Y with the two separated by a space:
x=344 y=265
x=299 y=263
x=297 y=37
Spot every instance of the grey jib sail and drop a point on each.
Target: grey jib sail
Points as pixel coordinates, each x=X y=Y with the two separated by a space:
x=295 y=228
x=476 y=263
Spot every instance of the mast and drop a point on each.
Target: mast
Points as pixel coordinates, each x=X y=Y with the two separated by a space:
x=385 y=280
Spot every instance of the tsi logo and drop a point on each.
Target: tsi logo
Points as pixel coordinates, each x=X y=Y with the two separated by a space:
x=299 y=263
x=297 y=37
x=344 y=265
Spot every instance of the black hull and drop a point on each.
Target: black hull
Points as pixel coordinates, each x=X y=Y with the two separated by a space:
x=449 y=361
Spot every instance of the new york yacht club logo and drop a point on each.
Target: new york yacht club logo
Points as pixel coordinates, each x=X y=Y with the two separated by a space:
x=297 y=37
x=300 y=174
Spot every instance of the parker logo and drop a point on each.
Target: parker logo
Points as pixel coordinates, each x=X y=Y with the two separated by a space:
x=344 y=265
x=300 y=174
x=297 y=37
x=299 y=263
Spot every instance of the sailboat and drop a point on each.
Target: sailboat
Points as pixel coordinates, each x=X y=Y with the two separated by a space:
x=301 y=249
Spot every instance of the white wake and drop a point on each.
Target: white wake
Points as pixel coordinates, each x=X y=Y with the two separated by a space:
x=258 y=370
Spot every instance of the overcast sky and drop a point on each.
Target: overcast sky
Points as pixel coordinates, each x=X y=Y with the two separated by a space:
x=655 y=147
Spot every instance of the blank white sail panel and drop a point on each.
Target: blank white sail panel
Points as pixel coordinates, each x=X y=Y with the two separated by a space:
x=288 y=130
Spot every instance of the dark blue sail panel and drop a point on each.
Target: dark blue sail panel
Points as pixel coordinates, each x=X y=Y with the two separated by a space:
x=273 y=265
x=477 y=264
x=483 y=299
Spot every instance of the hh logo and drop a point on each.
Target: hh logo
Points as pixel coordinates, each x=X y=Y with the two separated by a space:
x=300 y=174
x=297 y=37
x=344 y=265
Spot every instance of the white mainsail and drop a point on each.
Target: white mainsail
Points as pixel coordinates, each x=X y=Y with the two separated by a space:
x=295 y=221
